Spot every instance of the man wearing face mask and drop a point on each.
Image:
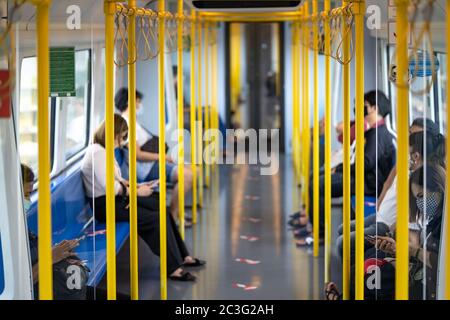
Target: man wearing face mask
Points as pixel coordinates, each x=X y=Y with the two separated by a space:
x=147 y=154
x=379 y=158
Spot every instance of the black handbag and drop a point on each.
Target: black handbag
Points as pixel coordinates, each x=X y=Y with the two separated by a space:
x=152 y=145
x=70 y=280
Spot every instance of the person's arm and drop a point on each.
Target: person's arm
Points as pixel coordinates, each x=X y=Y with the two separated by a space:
x=145 y=156
x=99 y=164
x=387 y=185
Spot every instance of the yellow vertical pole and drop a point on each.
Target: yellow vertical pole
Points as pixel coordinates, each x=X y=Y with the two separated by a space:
x=109 y=144
x=134 y=283
x=316 y=148
x=306 y=105
x=402 y=254
x=346 y=166
x=295 y=97
x=207 y=100
x=162 y=152
x=235 y=43
x=44 y=205
x=193 y=129
x=359 y=9
x=214 y=114
x=327 y=143
x=447 y=220
x=180 y=101
x=200 y=115
x=303 y=52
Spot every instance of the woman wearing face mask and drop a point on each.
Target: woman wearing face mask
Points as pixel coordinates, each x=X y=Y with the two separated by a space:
x=94 y=178
x=427 y=191
x=148 y=157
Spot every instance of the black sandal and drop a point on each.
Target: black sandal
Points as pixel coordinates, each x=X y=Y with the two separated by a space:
x=331 y=290
x=196 y=263
x=185 y=276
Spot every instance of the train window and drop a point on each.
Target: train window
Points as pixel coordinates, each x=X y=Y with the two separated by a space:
x=28 y=138
x=419 y=104
x=441 y=92
x=76 y=109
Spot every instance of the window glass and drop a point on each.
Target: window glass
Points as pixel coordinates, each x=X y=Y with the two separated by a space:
x=418 y=103
x=442 y=92
x=77 y=108
x=28 y=117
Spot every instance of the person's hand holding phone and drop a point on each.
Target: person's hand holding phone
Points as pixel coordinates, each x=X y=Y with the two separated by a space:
x=63 y=250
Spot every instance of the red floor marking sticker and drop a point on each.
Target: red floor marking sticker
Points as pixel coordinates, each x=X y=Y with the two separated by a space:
x=96 y=233
x=252 y=198
x=249 y=238
x=254 y=220
x=245 y=287
x=247 y=261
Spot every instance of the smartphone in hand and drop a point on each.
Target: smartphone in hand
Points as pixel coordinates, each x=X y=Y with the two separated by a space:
x=370 y=238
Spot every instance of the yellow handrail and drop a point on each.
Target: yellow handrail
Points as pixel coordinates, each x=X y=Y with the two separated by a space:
x=327 y=145
x=402 y=251
x=295 y=96
x=207 y=102
x=316 y=148
x=292 y=14
x=109 y=144
x=306 y=106
x=447 y=221
x=214 y=110
x=193 y=125
x=134 y=277
x=162 y=155
x=44 y=197
x=180 y=101
x=346 y=167
x=200 y=116
x=359 y=9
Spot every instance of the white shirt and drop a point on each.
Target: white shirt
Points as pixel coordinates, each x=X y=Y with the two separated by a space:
x=93 y=170
x=387 y=212
x=142 y=136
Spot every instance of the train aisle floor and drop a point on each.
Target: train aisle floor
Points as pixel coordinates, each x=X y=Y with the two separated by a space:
x=243 y=235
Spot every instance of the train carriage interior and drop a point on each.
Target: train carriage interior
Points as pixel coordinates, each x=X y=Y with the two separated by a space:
x=224 y=150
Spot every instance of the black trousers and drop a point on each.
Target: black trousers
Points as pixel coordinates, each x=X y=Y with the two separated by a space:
x=148 y=226
x=336 y=192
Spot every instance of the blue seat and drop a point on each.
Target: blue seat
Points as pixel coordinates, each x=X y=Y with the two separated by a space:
x=72 y=218
x=370 y=205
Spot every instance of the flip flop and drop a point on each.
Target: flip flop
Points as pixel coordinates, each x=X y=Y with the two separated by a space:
x=196 y=263
x=185 y=276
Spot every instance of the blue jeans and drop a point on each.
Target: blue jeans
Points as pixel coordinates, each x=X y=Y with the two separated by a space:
x=170 y=172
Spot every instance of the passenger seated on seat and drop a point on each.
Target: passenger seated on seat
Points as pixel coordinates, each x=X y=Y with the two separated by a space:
x=418 y=125
x=148 y=157
x=94 y=178
x=427 y=193
x=379 y=157
x=61 y=251
x=384 y=220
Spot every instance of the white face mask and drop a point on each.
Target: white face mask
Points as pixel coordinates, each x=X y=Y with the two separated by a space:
x=26 y=204
x=140 y=110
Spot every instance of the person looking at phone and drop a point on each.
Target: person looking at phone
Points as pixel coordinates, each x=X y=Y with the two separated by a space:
x=383 y=222
x=60 y=251
x=147 y=156
x=93 y=171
